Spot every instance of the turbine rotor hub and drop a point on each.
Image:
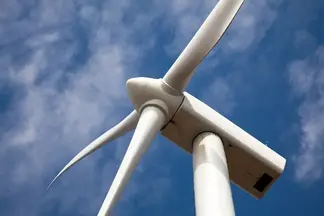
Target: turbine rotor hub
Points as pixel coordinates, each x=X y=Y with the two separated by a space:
x=144 y=92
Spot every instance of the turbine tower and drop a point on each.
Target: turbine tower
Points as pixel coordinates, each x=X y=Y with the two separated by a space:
x=222 y=151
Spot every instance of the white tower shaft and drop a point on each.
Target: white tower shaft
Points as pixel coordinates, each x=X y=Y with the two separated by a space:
x=213 y=196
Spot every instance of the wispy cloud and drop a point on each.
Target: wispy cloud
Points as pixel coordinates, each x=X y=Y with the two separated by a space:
x=248 y=28
x=307 y=81
x=251 y=25
x=68 y=63
x=221 y=95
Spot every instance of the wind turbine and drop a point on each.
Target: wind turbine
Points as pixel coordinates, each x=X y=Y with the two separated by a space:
x=222 y=151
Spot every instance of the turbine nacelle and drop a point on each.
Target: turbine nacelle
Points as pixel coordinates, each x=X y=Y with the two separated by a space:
x=252 y=165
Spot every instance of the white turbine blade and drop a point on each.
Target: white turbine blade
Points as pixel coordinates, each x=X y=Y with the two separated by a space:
x=202 y=43
x=150 y=122
x=120 y=129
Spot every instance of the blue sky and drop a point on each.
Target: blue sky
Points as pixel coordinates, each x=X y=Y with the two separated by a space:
x=63 y=68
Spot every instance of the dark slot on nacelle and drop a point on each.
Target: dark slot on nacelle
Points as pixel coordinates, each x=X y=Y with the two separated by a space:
x=263 y=182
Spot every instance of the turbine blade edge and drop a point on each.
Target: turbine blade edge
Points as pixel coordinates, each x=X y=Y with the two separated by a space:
x=149 y=124
x=127 y=124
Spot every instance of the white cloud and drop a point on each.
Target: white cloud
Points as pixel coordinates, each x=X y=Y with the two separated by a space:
x=61 y=108
x=251 y=24
x=221 y=96
x=307 y=81
x=248 y=27
x=185 y=17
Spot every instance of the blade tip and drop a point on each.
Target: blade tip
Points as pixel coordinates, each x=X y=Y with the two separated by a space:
x=50 y=185
x=53 y=181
